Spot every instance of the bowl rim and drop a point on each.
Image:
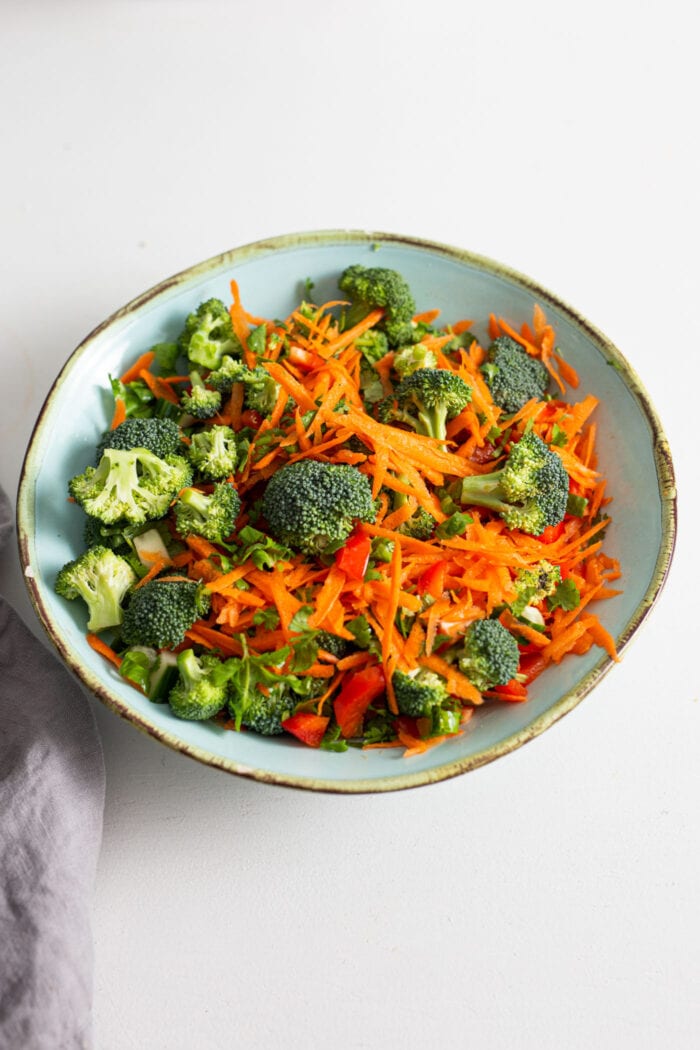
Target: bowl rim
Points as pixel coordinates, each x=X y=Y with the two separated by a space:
x=284 y=242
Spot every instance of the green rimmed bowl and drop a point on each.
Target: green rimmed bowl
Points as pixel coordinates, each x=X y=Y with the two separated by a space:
x=633 y=455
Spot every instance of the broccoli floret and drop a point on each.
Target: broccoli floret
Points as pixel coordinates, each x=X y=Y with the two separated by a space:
x=489 y=655
x=418 y=692
x=312 y=506
x=131 y=485
x=265 y=713
x=427 y=398
x=230 y=371
x=213 y=452
x=535 y=584
x=333 y=644
x=411 y=358
x=423 y=694
x=162 y=437
x=201 y=690
x=199 y=400
x=373 y=345
x=512 y=375
x=372 y=287
x=260 y=696
x=101 y=578
x=421 y=523
x=212 y=515
x=160 y=612
x=529 y=492
x=261 y=391
x=260 y=388
x=419 y=526
x=208 y=335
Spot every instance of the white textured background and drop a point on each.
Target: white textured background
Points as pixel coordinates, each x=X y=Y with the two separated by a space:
x=545 y=902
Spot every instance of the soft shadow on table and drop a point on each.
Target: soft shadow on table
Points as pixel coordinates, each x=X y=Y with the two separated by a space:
x=170 y=791
x=140 y=768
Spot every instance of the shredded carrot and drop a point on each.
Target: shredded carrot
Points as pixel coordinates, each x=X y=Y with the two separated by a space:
x=158 y=388
x=352 y=334
x=119 y=413
x=96 y=643
x=427 y=317
x=201 y=547
x=143 y=362
x=328 y=595
x=347 y=663
x=155 y=568
x=234 y=407
x=416 y=606
x=293 y=387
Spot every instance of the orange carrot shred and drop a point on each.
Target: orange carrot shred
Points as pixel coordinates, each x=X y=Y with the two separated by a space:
x=119 y=413
x=96 y=643
x=143 y=362
x=422 y=600
x=158 y=388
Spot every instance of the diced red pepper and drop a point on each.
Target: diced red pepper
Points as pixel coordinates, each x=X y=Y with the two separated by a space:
x=513 y=691
x=353 y=558
x=531 y=664
x=357 y=693
x=251 y=418
x=432 y=581
x=552 y=533
x=484 y=453
x=307 y=727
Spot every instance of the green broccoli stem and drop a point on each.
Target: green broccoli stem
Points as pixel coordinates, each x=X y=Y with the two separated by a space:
x=119 y=469
x=485 y=490
x=103 y=605
x=433 y=421
x=218 y=449
x=189 y=668
x=105 y=610
x=196 y=501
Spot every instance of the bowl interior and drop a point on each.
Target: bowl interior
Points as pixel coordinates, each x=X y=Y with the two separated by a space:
x=632 y=454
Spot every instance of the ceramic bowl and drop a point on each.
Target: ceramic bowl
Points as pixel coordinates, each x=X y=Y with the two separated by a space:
x=633 y=454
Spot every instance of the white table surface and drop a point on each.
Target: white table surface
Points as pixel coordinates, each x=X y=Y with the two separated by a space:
x=548 y=901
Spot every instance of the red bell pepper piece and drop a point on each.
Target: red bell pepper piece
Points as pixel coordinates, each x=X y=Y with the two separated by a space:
x=307 y=727
x=531 y=664
x=353 y=558
x=513 y=691
x=357 y=693
x=552 y=533
x=251 y=418
x=432 y=581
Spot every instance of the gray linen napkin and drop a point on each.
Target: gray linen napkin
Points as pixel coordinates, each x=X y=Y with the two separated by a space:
x=51 y=804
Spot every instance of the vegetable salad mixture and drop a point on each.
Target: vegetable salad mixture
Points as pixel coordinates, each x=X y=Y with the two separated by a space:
x=353 y=525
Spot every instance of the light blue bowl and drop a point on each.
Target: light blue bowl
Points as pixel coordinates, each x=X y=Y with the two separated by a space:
x=633 y=452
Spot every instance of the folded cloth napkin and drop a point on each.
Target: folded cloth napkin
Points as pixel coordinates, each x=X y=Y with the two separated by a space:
x=51 y=805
